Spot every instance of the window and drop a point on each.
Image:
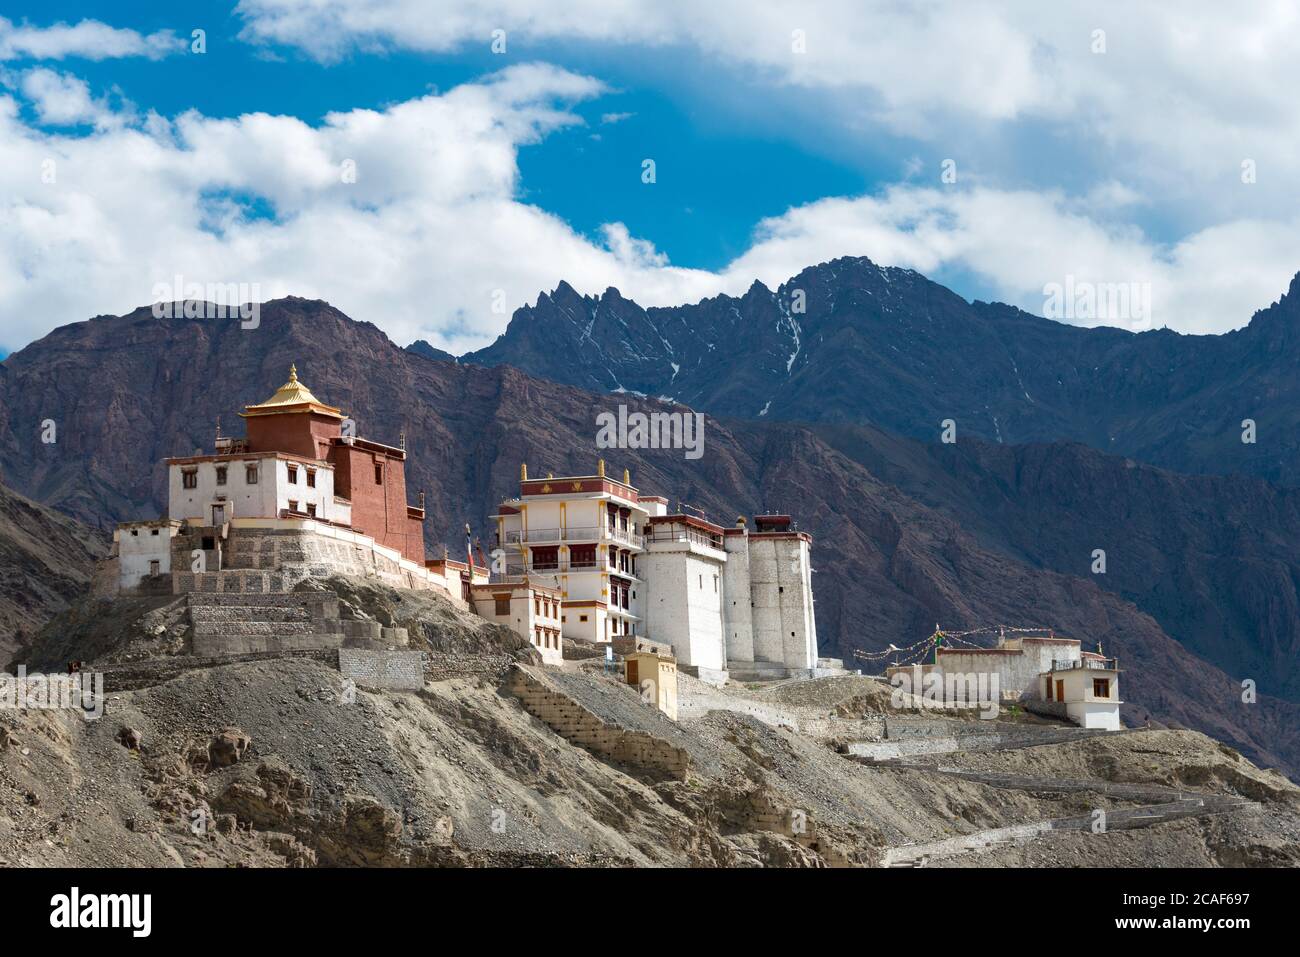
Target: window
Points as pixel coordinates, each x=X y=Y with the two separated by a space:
x=293 y=475
x=503 y=605
x=221 y=475
x=311 y=478
x=379 y=474
x=715 y=584
x=154 y=533
x=190 y=478
x=1101 y=687
x=209 y=543
x=701 y=583
x=135 y=533
x=293 y=505
x=311 y=509
x=250 y=474
x=537 y=606
x=582 y=618
x=153 y=568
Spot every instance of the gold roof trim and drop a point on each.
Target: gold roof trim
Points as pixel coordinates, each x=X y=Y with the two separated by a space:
x=293 y=396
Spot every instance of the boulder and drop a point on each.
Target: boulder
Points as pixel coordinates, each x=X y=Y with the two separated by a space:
x=227 y=747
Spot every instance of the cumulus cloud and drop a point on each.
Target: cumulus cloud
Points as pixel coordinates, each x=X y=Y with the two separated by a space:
x=1019 y=243
x=61 y=99
x=410 y=217
x=1197 y=82
x=88 y=39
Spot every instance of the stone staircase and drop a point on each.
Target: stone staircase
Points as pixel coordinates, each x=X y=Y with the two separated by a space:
x=235 y=623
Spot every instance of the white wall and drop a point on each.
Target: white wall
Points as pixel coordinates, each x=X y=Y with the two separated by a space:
x=683 y=606
x=137 y=546
x=784 y=624
x=523 y=617
x=738 y=619
x=264 y=499
x=1093 y=715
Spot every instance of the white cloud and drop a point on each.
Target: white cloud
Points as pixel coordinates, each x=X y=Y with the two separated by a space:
x=1180 y=96
x=88 y=39
x=1018 y=242
x=433 y=224
x=64 y=100
x=419 y=243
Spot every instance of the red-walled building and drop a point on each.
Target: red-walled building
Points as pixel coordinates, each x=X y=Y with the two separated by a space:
x=369 y=478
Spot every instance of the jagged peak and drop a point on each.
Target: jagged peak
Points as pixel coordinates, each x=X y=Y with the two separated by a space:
x=1282 y=313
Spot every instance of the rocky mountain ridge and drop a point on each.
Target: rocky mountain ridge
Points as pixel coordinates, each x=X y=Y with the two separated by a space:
x=848 y=341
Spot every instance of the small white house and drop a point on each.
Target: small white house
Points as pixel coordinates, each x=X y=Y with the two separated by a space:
x=143 y=550
x=532 y=611
x=1089 y=689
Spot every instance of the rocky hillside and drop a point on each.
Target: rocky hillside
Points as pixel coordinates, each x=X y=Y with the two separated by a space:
x=46 y=561
x=888 y=347
x=269 y=763
x=888 y=565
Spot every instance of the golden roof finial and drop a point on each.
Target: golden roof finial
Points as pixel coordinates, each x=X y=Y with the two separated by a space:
x=293 y=396
x=523 y=471
x=600 y=467
x=627 y=477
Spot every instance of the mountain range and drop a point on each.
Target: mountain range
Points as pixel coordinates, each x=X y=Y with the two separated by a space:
x=1199 y=592
x=887 y=346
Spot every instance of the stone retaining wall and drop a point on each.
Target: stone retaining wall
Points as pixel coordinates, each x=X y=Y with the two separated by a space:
x=389 y=670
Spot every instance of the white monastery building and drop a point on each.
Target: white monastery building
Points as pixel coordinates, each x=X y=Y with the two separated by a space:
x=728 y=601
x=584 y=557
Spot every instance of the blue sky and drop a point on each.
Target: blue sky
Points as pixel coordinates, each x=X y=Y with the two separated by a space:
x=719 y=172
x=490 y=177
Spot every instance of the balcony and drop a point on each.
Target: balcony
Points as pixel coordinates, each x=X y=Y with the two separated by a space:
x=626 y=536
x=561 y=566
x=588 y=533
x=1096 y=664
x=693 y=536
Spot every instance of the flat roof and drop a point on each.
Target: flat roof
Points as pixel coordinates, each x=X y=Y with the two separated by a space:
x=244 y=456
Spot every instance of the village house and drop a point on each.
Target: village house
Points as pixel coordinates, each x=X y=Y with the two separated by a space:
x=1046 y=673
x=650 y=667
x=530 y=610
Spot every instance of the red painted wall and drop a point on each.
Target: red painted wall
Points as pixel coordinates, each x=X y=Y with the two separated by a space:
x=378 y=510
x=302 y=433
